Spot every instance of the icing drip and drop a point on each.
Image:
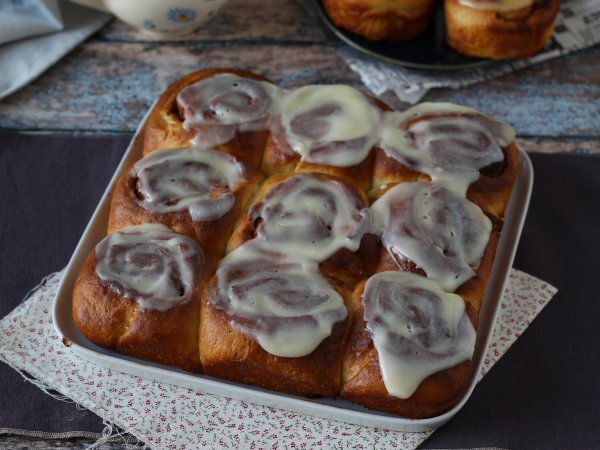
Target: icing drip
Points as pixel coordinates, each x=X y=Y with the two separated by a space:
x=287 y=306
x=442 y=233
x=150 y=264
x=219 y=106
x=448 y=142
x=334 y=125
x=198 y=180
x=417 y=329
x=501 y=6
x=310 y=216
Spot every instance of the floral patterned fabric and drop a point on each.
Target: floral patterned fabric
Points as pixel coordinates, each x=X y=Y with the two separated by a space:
x=166 y=416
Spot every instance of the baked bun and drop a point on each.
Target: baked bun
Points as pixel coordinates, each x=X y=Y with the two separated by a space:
x=139 y=293
x=274 y=321
x=389 y=20
x=224 y=109
x=194 y=191
x=330 y=129
x=409 y=348
x=312 y=216
x=505 y=29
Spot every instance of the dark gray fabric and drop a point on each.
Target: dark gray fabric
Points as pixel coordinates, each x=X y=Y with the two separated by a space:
x=544 y=393
x=49 y=188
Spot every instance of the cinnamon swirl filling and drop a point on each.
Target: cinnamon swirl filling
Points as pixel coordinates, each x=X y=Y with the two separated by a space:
x=441 y=232
x=448 y=142
x=149 y=264
x=285 y=304
x=334 y=125
x=199 y=180
x=310 y=216
x=417 y=329
x=217 y=107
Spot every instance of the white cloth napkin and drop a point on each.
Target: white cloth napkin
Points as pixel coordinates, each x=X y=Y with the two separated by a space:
x=23 y=18
x=25 y=59
x=167 y=416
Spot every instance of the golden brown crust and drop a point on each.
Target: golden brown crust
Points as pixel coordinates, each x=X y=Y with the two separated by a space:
x=127 y=210
x=228 y=353
x=377 y=20
x=111 y=320
x=164 y=128
x=489 y=34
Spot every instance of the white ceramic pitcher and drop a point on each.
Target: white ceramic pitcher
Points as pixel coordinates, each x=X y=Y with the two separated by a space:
x=164 y=18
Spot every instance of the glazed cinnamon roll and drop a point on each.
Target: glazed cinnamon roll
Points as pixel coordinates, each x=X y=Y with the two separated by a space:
x=194 y=191
x=389 y=20
x=287 y=320
x=500 y=29
x=315 y=217
x=455 y=146
x=226 y=109
x=410 y=346
x=327 y=129
x=139 y=293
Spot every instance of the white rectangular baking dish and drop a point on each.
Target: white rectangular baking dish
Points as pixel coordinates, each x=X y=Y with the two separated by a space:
x=334 y=409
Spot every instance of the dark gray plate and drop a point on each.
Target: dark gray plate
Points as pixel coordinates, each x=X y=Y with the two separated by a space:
x=428 y=51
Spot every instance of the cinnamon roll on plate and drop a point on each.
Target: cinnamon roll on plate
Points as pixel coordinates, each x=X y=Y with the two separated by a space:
x=388 y=20
x=500 y=29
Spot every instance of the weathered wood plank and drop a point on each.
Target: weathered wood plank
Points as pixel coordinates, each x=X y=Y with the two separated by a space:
x=581 y=147
x=240 y=20
x=108 y=83
x=109 y=87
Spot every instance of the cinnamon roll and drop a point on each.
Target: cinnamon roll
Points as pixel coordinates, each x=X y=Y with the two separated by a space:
x=194 y=191
x=226 y=109
x=455 y=146
x=500 y=29
x=315 y=217
x=328 y=129
x=389 y=20
x=410 y=346
x=139 y=293
x=274 y=321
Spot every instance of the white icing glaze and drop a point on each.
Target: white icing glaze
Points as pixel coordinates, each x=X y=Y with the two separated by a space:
x=501 y=6
x=199 y=180
x=417 y=329
x=334 y=125
x=310 y=216
x=150 y=264
x=442 y=233
x=219 y=106
x=450 y=143
x=284 y=303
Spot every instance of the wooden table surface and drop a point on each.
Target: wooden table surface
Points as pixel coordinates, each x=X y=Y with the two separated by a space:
x=108 y=82
x=106 y=85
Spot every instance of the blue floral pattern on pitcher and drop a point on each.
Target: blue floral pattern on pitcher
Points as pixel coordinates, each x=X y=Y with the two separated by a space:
x=181 y=15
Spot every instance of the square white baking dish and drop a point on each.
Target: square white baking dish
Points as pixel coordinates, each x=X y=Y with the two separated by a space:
x=334 y=409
